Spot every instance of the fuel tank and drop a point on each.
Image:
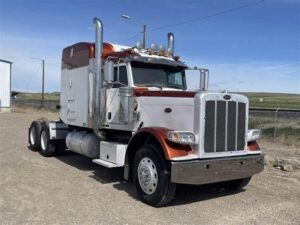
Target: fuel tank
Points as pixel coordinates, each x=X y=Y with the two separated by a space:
x=83 y=143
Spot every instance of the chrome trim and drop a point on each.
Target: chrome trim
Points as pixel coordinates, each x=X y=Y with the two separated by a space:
x=226 y=125
x=216 y=170
x=171 y=43
x=215 y=131
x=147 y=175
x=236 y=123
x=97 y=81
x=201 y=121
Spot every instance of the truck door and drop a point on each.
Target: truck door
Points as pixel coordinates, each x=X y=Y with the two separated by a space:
x=113 y=99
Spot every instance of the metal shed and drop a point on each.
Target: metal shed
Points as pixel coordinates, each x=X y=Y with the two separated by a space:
x=5 y=84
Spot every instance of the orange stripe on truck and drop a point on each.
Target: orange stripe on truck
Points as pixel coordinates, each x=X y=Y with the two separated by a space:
x=170 y=149
x=253 y=146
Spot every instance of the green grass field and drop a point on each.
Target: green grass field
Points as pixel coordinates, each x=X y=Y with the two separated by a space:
x=273 y=100
x=54 y=96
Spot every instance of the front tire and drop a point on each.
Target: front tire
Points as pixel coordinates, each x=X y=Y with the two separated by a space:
x=152 y=176
x=47 y=146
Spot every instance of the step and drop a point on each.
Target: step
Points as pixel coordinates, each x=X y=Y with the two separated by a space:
x=106 y=163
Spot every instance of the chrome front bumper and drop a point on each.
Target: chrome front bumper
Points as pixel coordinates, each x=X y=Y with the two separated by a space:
x=204 y=171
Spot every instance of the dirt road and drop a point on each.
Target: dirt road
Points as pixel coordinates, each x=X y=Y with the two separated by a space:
x=71 y=189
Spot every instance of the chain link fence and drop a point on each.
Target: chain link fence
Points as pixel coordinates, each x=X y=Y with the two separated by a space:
x=277 y=124
x=25 y=103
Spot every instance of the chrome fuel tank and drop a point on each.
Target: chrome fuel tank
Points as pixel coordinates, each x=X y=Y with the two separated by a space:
x=83 y=143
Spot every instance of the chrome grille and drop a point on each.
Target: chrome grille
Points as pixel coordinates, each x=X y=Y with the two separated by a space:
x=225 y=123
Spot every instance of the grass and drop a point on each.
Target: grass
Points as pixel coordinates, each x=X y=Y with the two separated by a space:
x=287 y=132
x=273 y=100
x=260 y=122
x=286 y=135
x=54 y=96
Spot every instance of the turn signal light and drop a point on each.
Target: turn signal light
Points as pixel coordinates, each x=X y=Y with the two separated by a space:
x=253 y=135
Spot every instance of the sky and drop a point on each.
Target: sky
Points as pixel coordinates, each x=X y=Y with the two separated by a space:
x=253 y=49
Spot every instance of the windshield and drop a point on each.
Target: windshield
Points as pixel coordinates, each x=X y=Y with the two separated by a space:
x=149 y=75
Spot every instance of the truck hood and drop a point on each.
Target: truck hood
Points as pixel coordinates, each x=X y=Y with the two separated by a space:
x=163 y=93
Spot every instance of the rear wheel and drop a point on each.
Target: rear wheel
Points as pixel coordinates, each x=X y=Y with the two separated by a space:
x=47 y=146
x=152 y=176
x=34 y=135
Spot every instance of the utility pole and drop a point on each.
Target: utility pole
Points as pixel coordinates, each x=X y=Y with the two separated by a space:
x=144 y=29
x=43 y=80
x=43 y=83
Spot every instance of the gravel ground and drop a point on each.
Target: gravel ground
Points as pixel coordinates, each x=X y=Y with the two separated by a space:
x=71 y=189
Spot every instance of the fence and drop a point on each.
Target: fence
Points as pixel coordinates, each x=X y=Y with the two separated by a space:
x=276 y=123
x=48 y=104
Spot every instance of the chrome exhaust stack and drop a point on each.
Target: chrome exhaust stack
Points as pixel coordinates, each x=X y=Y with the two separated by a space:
x=97 y=78
x=171 y=40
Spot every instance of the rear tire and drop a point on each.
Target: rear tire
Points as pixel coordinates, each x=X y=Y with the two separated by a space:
x=152 y=176
x=34 y=133
x=47 y=146
x=236 y=185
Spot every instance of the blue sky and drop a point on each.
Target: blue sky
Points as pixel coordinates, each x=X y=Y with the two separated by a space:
x=254 y=49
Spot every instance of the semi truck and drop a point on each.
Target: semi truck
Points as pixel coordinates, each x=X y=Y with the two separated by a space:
x=129 y=107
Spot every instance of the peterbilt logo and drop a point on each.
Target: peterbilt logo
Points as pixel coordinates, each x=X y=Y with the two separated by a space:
x=168 y=110
x=227 y=97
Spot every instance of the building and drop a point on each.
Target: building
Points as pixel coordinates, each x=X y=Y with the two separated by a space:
x=5 y=84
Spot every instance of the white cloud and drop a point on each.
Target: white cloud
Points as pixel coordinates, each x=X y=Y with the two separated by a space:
x=254 y=77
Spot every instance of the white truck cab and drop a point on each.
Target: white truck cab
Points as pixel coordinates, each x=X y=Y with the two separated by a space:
x=129 y=107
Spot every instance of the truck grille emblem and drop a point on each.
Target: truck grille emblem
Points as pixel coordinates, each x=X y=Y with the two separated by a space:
x=168 y=110
x=227 y=97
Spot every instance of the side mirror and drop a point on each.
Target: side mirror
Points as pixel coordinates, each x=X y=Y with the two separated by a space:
x=197 y=79
x=204 y=76
x=109 y=71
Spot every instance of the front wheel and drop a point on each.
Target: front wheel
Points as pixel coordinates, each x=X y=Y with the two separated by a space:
x=152 y=176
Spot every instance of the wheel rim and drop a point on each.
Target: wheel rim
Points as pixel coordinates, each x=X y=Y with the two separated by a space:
x=44 y=140
x=147 y=175
x=32 y=136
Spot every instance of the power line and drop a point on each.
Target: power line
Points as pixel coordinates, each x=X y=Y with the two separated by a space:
x=208 y=16
x=131 y=37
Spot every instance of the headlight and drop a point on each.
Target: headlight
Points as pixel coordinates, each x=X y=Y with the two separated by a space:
x=182 y=137
x=253 y=135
